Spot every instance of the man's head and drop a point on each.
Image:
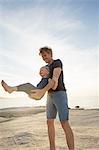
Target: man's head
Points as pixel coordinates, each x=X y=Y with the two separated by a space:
x=46 y=54
x=44 y=71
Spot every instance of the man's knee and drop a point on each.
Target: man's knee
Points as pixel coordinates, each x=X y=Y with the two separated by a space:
x=50 y=122
x=64 y=124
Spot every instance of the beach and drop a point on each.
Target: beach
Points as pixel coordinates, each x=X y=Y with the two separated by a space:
x=25 y=128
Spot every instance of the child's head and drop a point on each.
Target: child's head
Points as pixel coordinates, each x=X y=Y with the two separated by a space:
x=44 y=71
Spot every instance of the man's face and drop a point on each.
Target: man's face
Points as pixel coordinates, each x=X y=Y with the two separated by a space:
x=46 y=57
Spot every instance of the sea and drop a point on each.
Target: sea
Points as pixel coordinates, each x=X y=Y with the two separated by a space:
x=83 y=102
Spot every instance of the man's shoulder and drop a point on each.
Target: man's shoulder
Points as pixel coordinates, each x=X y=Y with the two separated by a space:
x=57 y=63
x=57 y=60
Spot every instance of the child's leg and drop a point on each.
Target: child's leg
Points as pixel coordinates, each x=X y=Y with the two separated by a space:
x=27 y=87
x=8 y=88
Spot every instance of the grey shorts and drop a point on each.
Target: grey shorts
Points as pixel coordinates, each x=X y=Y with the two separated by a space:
x=26 y=87
x=57 y=102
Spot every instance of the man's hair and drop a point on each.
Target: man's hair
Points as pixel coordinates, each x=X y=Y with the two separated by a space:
x=45 y=49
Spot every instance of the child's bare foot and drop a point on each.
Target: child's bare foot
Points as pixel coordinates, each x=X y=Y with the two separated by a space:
x=6 y=87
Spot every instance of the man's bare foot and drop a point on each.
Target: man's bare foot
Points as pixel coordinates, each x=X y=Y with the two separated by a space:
x=6 y=87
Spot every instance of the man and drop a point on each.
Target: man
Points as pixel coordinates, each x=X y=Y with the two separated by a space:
x=56 y=99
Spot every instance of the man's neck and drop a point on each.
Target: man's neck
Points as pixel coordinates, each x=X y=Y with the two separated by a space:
x=51 y=61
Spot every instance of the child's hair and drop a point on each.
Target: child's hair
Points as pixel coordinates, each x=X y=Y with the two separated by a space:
x=46 y=67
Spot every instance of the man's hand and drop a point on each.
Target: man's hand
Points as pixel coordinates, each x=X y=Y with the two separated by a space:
x=37 y=94
x=55 y=83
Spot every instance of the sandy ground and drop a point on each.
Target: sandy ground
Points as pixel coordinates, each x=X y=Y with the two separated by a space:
x=26 y=129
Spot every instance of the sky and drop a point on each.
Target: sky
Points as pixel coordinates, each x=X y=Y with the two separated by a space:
x=69 y=27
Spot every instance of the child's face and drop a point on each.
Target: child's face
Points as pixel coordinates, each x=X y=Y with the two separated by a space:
x=43 y=72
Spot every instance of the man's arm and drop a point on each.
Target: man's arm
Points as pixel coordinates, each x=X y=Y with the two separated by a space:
x=39 y=93
x=56 y=74
x=54 y=81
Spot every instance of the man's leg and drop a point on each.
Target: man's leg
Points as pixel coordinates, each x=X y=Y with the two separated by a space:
x=69 y=134
x=51 y=115
x=61 y=103
x=51 y=133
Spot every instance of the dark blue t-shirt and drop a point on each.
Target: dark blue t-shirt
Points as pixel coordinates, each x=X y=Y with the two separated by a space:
x=42 y=83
